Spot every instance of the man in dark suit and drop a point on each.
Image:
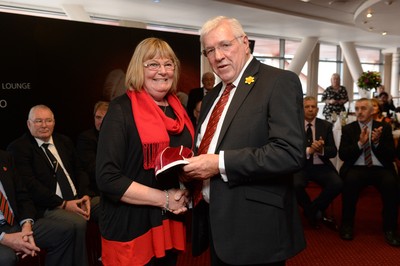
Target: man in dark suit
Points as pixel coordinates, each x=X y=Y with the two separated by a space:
x=48 y=186
x=197 y=94
x=86 y=147
x=319 y=169
x=26 y=235
x=246 y=167
x=367 y=150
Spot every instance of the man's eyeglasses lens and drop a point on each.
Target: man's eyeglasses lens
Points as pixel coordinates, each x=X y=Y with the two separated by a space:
x=40 y=121
x=224 y=46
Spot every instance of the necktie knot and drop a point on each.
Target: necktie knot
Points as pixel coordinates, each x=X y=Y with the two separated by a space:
x=228 y=88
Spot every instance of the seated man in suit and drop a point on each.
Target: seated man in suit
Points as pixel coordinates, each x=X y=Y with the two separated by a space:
x=20 y=233
x=319 y=169
x=87 y=150
x=50 y=169
x=197 y=94
x=367 y=150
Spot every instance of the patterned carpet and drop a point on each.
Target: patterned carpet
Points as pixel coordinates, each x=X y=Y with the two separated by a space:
x=326 y=248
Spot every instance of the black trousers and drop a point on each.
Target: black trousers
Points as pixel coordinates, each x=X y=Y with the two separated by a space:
x=324 y=176
x=215 y=260
x=50 y=235
x=385 y=180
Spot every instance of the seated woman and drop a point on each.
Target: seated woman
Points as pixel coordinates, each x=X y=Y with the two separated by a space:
x=377 y=111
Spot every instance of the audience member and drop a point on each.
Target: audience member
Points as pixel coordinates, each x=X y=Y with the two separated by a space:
x=319 y=169
x=335 y=96
x=248 y=164
x=20 y=233
x=87 y=150
x=380 y=89
x=49 y=166
x=387 y=104
x=197 y=94
x=139 y=219
x=183 y=98
x=196 y=112
x=367 y=150
x=377 y=114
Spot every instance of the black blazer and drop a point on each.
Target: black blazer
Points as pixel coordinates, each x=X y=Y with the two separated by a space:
x=38 y=174
x=324 y=129
x=254 y=216
x=349 y=151
x=17 y=194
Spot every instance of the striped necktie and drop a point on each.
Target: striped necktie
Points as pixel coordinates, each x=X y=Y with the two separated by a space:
x=310 y=141
x=59 y=173
x=367 y=151
x=209 y=134
x=5 y=209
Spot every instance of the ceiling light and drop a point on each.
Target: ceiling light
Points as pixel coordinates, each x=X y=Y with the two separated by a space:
x=384 y=33
x=369 y=14
x=305 y=1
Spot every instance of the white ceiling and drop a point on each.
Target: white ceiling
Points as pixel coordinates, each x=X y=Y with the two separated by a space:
x=332 y=21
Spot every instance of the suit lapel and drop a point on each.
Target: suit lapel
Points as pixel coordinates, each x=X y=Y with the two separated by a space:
x=40 y=151
x=62 y=152
x=242 y=90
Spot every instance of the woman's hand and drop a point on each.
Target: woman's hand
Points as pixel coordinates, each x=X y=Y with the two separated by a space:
x=178 y=200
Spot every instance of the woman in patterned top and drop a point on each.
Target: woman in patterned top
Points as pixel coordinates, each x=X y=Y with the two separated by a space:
x=335 y=96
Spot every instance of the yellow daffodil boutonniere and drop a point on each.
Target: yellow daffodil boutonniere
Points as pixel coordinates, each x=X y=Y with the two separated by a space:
x=249 y=80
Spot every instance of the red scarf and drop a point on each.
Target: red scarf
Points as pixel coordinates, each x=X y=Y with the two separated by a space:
x=153 y=125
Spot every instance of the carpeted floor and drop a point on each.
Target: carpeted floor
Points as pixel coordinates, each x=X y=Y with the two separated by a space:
x=325 y=247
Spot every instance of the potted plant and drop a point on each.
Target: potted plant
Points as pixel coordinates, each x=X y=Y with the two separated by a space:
x=369 y=80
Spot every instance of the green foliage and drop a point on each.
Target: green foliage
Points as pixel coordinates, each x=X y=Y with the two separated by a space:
x=369 y=80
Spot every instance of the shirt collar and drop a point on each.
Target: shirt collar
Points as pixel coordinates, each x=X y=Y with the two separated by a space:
x=237 y=81
x=369 y=124
x=40 y=142
x=312 y=123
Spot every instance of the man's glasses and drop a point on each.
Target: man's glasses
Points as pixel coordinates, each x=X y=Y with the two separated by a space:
x=224 y=46
x=156 y=66
x=41 y=121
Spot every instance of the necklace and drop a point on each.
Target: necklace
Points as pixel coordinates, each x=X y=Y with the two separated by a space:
x=164 y=105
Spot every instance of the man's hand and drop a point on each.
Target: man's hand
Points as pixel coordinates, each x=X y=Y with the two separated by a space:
x=80 y=206
x=28 y=237
x=201 y=167
x=376 y=134
x=178 y=200
x=318 y=146
x=21 y=243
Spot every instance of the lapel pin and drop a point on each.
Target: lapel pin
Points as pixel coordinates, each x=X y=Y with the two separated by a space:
x=249 y=80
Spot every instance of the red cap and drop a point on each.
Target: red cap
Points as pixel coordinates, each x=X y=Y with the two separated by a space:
x=171 y=157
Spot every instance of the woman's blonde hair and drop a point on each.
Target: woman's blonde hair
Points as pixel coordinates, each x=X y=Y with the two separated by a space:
x=148 y=49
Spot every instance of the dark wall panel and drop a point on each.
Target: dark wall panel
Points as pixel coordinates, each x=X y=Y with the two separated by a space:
x=71 y=65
